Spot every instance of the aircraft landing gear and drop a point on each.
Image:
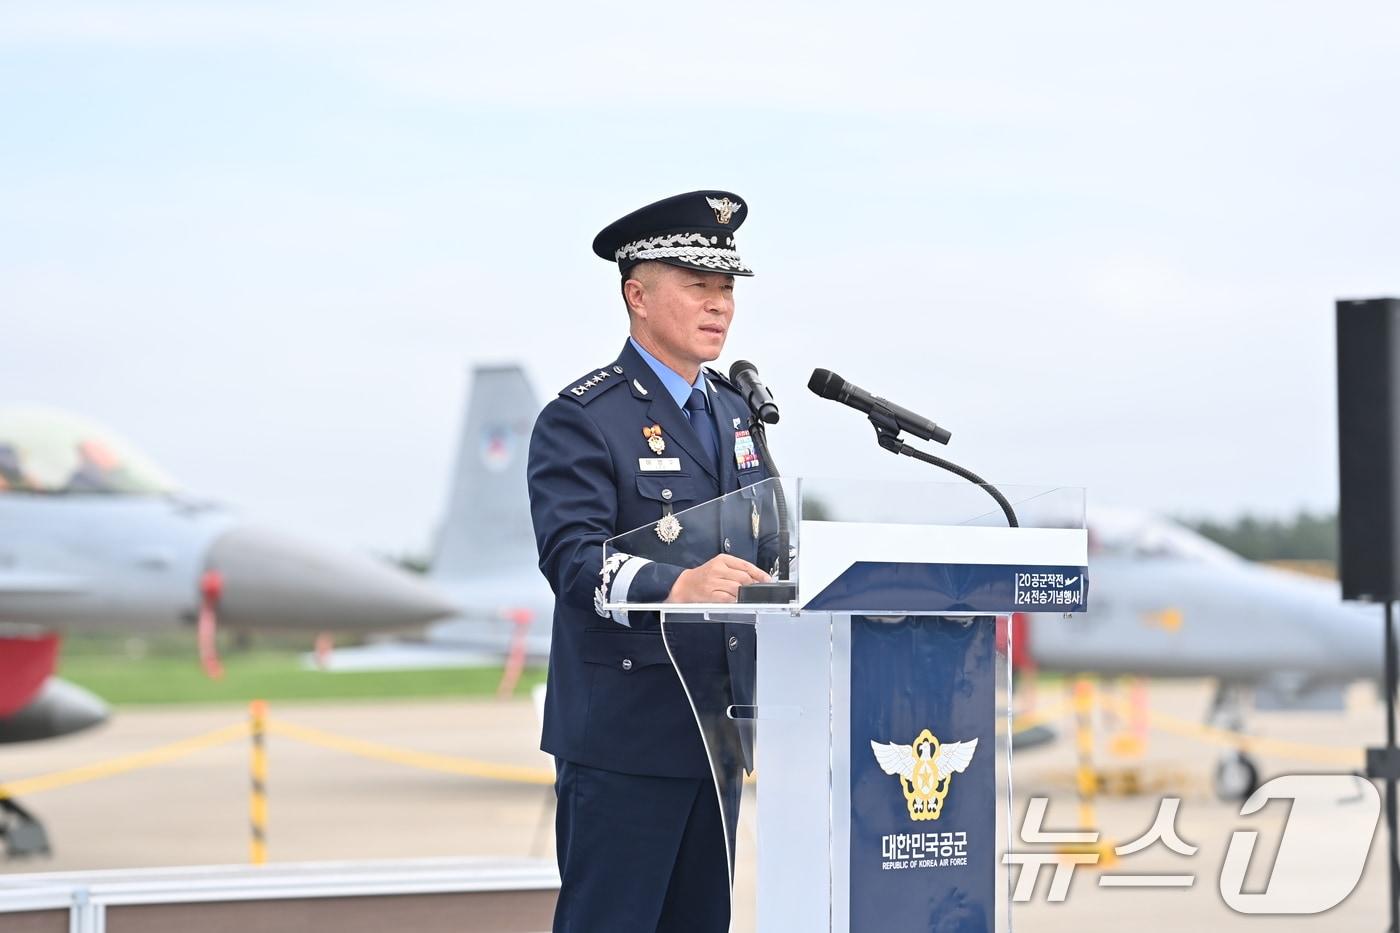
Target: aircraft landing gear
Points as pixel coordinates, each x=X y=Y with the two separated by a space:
x=21 y=831
x=1236 y=774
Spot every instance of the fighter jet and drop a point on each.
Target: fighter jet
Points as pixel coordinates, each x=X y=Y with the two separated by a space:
x=485 y=557
x=1166 y=602
x=95 y=537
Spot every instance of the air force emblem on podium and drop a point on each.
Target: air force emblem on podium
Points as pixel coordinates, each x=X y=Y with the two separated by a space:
x=925 y=770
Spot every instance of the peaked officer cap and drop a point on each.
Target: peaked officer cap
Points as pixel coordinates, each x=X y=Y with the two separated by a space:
x=694 y=231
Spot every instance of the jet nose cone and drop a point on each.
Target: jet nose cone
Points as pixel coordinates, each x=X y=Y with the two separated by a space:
x=59 y=708
x=73 y=708
x=273 y=580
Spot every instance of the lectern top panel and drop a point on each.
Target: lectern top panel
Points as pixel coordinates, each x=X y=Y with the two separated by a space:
x=909 y=502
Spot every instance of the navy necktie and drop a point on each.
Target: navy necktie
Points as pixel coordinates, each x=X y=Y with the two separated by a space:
x=697 y=409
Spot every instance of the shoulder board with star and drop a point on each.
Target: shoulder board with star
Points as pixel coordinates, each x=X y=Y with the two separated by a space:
x=594 y=384
x=718 y=378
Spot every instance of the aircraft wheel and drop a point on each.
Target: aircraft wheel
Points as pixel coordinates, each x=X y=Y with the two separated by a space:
x=1236 y=777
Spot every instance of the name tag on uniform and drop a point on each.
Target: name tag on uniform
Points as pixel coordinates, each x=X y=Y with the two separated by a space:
x=657 y=464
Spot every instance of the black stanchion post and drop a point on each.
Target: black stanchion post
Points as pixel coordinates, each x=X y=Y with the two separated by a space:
x=1392 y=824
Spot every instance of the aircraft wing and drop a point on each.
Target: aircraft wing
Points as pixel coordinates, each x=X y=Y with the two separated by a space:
x=30 y=583
x=1285 y=694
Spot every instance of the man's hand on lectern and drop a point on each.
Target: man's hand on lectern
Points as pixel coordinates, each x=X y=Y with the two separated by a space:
x=715 y=581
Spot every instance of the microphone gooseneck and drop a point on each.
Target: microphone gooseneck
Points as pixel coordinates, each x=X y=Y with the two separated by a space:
x=764 y=412
x=889 y=420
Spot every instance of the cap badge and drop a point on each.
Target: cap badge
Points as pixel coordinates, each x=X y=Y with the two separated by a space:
x=724 y=208
x=655 y=441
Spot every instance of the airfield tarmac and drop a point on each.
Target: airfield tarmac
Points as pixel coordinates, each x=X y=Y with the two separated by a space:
x=328 y=804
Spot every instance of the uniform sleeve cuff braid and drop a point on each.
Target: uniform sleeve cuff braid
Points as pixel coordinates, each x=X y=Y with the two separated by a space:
x=622 y=584
x=618 y=572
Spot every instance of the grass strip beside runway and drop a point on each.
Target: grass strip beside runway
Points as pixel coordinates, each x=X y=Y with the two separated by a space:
x=270 y=676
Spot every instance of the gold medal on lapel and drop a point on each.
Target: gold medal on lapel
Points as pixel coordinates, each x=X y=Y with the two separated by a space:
x=669 y=528
x=753 y=519
x=655 y=441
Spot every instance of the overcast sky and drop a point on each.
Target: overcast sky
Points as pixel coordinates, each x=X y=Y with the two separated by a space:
x=1098 y=242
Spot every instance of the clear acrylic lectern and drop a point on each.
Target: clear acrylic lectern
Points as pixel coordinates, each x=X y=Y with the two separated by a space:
x=855 y=723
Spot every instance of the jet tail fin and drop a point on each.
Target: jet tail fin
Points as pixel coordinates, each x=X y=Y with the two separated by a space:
x=485 y=529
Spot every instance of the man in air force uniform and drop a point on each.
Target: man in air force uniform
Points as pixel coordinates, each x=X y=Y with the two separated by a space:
x=641 y=842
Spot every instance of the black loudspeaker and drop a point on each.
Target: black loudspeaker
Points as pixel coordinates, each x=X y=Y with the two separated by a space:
x=1368 y=440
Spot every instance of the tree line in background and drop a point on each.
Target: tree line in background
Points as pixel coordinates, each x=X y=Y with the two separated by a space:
x=1305 y=536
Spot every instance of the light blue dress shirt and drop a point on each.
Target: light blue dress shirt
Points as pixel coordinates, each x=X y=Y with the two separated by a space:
x=673 y=382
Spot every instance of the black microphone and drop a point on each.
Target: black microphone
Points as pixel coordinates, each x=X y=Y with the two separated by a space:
x=744 y=375
x=827 y=384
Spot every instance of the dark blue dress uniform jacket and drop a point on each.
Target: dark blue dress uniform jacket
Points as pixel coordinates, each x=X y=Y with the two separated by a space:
x=614 y=700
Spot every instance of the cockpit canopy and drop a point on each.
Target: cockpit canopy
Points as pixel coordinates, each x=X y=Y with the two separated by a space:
x=50 y=451
x=1129 y=533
